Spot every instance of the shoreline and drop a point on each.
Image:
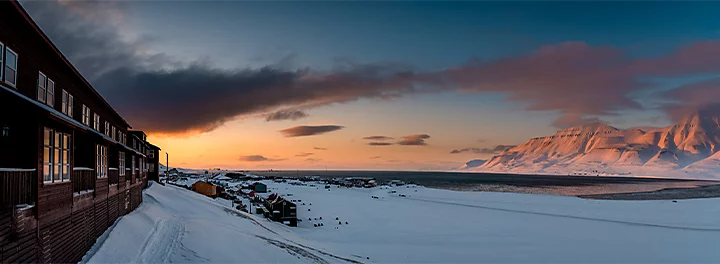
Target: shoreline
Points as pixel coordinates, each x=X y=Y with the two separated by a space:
x=622 y=192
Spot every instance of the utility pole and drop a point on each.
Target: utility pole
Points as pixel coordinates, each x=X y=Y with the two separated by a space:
x=167 y=164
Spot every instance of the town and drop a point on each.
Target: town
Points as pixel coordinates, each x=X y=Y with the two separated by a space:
x=247 y=192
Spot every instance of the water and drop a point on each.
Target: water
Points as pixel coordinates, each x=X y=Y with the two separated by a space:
x=543 y=184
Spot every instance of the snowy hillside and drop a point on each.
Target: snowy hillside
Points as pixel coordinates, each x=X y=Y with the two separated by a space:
x=425 y=226
x=687 y=149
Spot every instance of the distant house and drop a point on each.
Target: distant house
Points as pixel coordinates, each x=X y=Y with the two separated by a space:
x=260 y=187
x=281 y=210
x=205 y=188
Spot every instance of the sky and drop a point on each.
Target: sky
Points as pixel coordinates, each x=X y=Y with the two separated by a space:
x=383 y=85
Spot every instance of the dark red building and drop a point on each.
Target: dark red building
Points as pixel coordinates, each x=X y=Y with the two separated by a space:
x=69 y=163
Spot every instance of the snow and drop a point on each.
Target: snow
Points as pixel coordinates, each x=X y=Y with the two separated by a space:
x=426 y=226
x=688 y=149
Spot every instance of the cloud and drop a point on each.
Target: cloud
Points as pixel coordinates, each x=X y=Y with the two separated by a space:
x=574 y=120
x=375 y=157
x=257 y=158
x=312 y=160
x=379 y=143
x=159 y=94
x=702 y=96
x=286 y=115
x=318 y=148
x=304 y=154
x=378 y=138
x=414 y=140
x=301 y=131
x=495 y=150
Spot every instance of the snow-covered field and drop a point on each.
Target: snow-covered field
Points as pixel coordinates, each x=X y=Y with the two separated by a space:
x=427 y=226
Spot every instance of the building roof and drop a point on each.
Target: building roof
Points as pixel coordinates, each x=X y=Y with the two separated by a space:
x=27 y=17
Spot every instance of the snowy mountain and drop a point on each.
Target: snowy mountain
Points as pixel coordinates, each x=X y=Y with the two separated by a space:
x=472 y=164
x=688 y=149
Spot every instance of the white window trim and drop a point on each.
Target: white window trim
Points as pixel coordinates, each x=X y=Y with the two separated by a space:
x=17 y=59
x=60 y=149
x=44 y=88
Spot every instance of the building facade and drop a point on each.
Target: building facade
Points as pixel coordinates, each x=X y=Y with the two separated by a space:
x=69 y=163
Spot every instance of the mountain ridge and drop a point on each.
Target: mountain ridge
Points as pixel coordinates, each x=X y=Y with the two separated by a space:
x=690 y=148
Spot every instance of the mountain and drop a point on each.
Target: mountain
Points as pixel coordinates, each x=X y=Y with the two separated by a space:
x=472 y=164
x=688 y=149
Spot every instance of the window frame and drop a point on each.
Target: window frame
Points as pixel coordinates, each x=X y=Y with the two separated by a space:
x=5 y=66
x=101 y=162
x=2 y=60
x=121 y=163
x=86 y=115
x=58 y=158
x=96 y=122
x=42 y=84
x=66 y=104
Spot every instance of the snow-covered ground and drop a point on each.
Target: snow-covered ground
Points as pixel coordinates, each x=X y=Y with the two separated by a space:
x=428 y=226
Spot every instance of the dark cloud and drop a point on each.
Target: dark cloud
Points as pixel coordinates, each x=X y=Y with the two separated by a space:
x=286 y=115
x=378 y=138
x=304 y=154
x=257 y=158
x=318 y=148
x=301 y=131
x=495 y=150
x=375 y=157
x=159 y=94
x=700 y=97
x=414 y=140
x=379 y=144
x=575 y=120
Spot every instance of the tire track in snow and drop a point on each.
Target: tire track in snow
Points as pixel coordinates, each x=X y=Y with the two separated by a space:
x=162 y=242
x=570 y=216
x=239 y=214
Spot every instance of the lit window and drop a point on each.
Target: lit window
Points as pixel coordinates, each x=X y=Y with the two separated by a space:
x=56 y=156
x=67 y=104
x=10 y=67
x=86 y=115
x=101 y=165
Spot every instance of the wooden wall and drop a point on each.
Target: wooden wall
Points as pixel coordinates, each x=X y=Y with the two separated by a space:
x=67 y=230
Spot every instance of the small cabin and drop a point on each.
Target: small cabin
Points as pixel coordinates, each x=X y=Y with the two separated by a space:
x=205 y=188
x=260 y=187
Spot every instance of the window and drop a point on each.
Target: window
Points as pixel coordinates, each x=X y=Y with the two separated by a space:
x=151 y=154
x=96 y=122
x=122 y=163
x=10 y=67
x=113 y=133
x=2 y=47
x=101 y=165
x=86 y=115
x=42 y=91
x=56 y=156
x=132 y=164
x=67 y=104
x=107 y=128
x=50 y=93
x=46 y=90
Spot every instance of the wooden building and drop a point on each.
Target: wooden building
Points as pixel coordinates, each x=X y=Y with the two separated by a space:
x=68 y=166
x=280 y=210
